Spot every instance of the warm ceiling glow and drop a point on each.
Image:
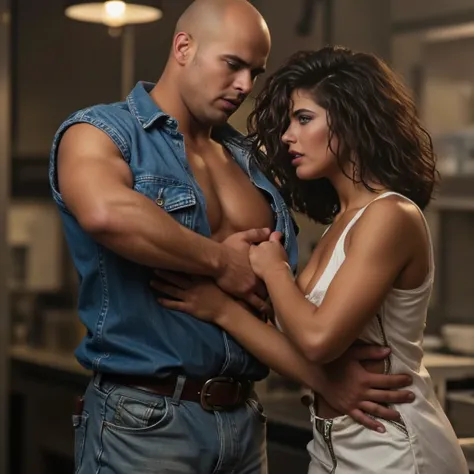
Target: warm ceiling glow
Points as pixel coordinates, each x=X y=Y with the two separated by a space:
x=115 y=9
x=114 y=13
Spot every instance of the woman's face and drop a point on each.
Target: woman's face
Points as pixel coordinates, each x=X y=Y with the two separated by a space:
x=307 y=138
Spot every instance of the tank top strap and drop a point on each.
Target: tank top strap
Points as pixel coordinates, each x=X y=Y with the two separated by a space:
x=340 y=244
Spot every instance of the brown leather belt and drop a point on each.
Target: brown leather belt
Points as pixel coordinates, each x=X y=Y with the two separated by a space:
x=214 y=394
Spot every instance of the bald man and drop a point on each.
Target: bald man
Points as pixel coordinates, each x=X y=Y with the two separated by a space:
x=161 y=181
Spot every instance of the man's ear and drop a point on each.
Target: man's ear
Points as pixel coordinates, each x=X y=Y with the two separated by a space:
x=182 y=47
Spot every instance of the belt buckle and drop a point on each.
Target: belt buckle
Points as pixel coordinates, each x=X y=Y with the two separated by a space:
x=205 y=392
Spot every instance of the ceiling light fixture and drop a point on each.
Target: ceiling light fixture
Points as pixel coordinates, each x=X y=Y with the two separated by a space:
x=114 y=13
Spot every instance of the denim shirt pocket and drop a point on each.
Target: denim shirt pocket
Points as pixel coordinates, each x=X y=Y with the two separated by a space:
x=175 y=197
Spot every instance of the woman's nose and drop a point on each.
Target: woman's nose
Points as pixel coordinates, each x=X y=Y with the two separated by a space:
x=287 y=137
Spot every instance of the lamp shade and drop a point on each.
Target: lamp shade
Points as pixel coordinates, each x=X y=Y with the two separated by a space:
x=114 y=13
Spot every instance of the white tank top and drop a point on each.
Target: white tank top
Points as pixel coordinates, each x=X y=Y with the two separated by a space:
x=400 y=321
x=399 y=324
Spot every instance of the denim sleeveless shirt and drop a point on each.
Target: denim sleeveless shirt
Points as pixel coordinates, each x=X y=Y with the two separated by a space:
x=127 y=330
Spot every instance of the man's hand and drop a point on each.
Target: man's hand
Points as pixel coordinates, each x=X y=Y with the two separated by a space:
x=351 y=389
x=236 y=276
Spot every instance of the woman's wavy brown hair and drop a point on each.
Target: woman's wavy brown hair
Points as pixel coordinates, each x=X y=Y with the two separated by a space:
x=368 y=110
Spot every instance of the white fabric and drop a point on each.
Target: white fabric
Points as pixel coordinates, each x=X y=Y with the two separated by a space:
x=424 y=443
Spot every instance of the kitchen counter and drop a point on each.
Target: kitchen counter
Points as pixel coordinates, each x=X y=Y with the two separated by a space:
x=54 y=360
x=456 y=366
x=441 y=367
x=444 y=368
x=437 y=363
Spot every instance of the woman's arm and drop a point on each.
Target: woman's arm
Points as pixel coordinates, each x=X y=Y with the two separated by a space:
x=269 y=346
x=354 y=390
x=202 y=298
x=378 y=252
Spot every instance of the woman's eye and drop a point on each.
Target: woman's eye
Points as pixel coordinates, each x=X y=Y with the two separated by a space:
x=304 y=119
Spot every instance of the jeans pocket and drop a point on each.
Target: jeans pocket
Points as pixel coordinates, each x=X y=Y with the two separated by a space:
x=257 y=410
x=79 y=422
x=134 y=415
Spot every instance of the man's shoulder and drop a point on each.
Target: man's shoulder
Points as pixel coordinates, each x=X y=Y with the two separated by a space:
x=113 y=119
x=101 y=113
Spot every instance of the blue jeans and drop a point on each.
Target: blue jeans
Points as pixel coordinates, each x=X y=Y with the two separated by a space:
x=124 y=430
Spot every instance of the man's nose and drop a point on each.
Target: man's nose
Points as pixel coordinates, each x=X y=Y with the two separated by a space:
x=245 y=83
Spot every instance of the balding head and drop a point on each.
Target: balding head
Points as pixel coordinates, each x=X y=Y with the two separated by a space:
x=208 y=19
x=219 y=48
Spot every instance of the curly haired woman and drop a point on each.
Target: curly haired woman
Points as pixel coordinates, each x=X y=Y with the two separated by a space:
x=345 y=147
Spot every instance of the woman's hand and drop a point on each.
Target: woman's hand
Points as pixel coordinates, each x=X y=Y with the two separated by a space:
x=198 y=296
x=268 y=257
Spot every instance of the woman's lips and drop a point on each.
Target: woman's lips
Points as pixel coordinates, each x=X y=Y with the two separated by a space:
x=296 y=159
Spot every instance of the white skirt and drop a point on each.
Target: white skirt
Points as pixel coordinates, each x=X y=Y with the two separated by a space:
x=343 y=446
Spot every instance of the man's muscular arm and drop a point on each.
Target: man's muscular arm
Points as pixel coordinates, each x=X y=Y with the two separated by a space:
x=96 y=185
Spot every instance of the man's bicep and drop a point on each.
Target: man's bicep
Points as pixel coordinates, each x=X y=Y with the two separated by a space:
x=90 y=169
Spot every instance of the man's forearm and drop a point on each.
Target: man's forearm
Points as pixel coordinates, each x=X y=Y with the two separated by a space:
x=138 y=230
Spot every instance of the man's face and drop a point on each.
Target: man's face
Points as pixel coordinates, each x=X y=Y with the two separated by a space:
x=222 y=73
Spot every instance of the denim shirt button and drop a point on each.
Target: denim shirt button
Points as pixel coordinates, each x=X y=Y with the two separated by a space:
x=160 y=202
